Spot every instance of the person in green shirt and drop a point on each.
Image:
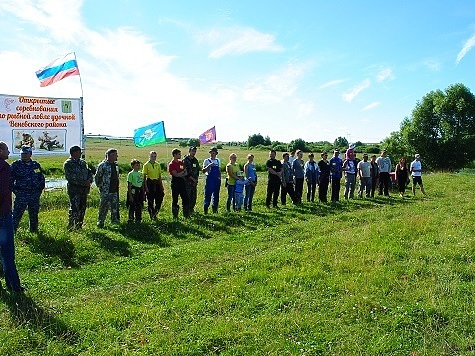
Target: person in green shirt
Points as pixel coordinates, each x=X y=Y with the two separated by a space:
x=135 y=192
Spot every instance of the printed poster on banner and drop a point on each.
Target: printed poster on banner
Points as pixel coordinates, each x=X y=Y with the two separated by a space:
x=48 y=125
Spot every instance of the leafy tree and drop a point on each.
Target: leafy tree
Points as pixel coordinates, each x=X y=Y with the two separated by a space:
x=193 y=142
x=298 y=144
x=396 y=146
x=256 y=139
x=267 y=141
x=340 y=142
x=442 y=128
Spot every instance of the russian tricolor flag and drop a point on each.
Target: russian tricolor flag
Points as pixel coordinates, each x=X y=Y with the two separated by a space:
x=58 y=69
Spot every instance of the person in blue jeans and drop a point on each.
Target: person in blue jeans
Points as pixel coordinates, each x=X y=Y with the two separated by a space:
x=213 y=180
x=311 y=176
x=251 y=174
x=7 y=245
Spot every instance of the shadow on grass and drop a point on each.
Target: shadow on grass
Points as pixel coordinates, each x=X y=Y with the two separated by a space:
x=26 y=313
x=120 y=248
x=63 y=248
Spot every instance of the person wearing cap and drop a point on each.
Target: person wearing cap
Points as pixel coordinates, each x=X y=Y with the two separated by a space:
x=416 y=173
x=107 y=180
x=213 y=180
x=28 y=182
x=153 y=185
x=7 y=244
x=274 y=169
x=192 y=174
x=364 y=174
x=336 y=166
x=239 y=185
x=350 y=169
x=384 y=165
x=323 y=177
x=287 y=181
x=299 y=175
x=350 y=150
x=79 y=177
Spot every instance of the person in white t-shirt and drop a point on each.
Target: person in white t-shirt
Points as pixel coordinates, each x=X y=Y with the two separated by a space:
x=416 y=173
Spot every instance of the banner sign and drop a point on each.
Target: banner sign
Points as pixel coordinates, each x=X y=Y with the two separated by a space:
x=48 y=125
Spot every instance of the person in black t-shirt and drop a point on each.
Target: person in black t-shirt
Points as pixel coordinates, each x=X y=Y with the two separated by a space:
x=274 y=168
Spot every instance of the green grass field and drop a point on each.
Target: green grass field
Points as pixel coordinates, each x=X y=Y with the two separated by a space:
x=373 y=276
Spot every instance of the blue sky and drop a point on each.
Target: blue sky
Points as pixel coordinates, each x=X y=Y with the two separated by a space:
x=314 y=70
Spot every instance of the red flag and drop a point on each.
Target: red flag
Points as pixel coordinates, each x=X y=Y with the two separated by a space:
x=208 y=135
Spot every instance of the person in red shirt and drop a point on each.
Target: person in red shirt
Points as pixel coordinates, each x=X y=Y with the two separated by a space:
x=178 y=172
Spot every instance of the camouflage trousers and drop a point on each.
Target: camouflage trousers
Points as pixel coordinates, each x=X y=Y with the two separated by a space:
x=23 y=200
x=77 y=209
x=108 y=201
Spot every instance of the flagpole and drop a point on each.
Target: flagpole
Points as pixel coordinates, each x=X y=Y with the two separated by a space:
x=80 y=79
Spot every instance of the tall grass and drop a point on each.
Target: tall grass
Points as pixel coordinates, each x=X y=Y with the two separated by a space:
x=372 y=276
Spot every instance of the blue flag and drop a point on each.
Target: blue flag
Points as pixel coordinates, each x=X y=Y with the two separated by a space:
x=150 y=135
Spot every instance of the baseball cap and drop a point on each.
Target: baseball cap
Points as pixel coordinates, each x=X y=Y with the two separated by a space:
x=417 y=155
x=25 y=149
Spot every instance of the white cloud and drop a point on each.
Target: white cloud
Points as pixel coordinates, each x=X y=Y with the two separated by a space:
x=466 y=47
x=331 y=83
x=371 y=106
x=237 y=41
x=356 y=90
x=433 y=65
x=384 y=74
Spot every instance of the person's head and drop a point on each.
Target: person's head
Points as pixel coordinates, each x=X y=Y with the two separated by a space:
x=336 y=153
x=240 y=174
x=152 y=156
x=351 y=146
x=272 y=153
x=213 y=152
x=4 y=152
x=324 y=155
x=365 y=157
x=292 y=153
x=75 y=152
x=25 y=153
x=111 y=155
x=299 y=154
x=176 y=153
x=383 y=153
x=192 y=151
x=311 y=156
x=135 y=164
x=232 y=157
x=402 y=160
x=417 y=156
x=352 y=156
x=373 y=158
x=285 y=156
x=250 y=157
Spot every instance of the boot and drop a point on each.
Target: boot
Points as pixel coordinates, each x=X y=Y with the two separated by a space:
x=206 y=209
x=215 y=209
x=175 y=210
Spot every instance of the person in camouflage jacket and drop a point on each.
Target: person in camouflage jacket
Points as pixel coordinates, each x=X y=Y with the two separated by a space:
x=27 y=182
x=107 y=180
x=79 y=177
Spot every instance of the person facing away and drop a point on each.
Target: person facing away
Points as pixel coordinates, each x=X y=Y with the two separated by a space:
x=274 y=168
x=135 y=192
x=7 y=244
x=107 y=180
x=177 y=170
x=28 y=183
x=193 y=171
x=364 y=173
x=240 y=184
x=336 y=166
x=79 y=177
x=311 y=176
x=213 y=180
x=153 y=185
x=416 y=173
x=251 y=174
